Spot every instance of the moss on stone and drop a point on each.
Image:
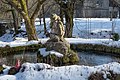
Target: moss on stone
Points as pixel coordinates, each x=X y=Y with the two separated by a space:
x=49 y=59
x=65 y=60
x=69 y=59
x=74 y=59
x=100 y=48
x=10 y=50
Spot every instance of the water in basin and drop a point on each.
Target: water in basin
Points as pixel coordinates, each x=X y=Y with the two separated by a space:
x=86 y=58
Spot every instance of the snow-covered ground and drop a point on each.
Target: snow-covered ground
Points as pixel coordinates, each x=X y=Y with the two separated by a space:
x=95 y=27
x=86 y=30
x=41 y=71
x=24 y=42
x=83 y=28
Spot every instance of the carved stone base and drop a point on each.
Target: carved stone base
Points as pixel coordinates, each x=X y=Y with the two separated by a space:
x=63 y=47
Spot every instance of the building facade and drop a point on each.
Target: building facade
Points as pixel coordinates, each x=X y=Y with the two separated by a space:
x=98 y=9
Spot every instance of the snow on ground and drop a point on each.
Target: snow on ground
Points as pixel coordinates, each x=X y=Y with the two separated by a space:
x=18 y=43
x=87 y=30
x=107 y=42
x=24 y=42
x=83 y=28
x=95 y=27
x=41 y=71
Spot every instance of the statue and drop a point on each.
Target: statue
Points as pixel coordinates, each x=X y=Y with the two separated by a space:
x=57 y=28
x=58 y=44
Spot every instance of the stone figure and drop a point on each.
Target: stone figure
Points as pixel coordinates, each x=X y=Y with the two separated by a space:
x=59 y=44
x=60 y=28
x=57 y=28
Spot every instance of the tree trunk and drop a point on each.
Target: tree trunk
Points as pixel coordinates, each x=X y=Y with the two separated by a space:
x=15 y=21
x=22 y=7
x=45 y=29
x=40 y=17
x=27 y=4
x=19 y=20
x=69 y=20
x=30 y=28
x=119 y=12
x=61 y=14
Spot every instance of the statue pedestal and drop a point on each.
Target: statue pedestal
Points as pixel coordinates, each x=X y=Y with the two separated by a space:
x=69 y=57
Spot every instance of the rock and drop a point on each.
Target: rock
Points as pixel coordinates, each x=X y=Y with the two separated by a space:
x=96 y=76
x=54 y=39
x=117 y=77
x=113 y=76
x=12 y=71
x=63 y=47
x=59 y=46
x=54 y=60
x=99 y=76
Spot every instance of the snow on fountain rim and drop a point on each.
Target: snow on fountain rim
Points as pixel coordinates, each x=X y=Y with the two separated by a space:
x=45 y=53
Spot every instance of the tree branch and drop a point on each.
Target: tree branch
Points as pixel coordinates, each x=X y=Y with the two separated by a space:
x=23 y=5
x=32 y=5
x=34 y=15
x=17 y=6
x=4 y=2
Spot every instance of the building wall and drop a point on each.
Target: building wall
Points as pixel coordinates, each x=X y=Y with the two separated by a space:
x=96 y=8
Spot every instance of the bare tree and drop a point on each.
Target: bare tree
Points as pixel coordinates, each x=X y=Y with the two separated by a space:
x=116 y=3
x=67 y=7
x=21 y=7
x=14 y=15
x=46 y=7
